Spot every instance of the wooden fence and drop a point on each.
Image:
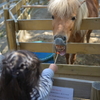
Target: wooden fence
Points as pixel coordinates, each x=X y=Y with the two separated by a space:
x=3 y=5
x=90 y=73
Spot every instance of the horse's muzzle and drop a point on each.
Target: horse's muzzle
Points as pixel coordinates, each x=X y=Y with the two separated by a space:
x=60 y=45
x=60 y=39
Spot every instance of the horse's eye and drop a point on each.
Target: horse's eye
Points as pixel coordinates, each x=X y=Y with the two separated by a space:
x=73 y=18
x=52 y=17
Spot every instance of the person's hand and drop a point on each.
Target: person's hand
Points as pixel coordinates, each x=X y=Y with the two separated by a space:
x=54 y=67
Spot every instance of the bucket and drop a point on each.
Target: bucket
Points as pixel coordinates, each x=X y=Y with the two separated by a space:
x=44 y=57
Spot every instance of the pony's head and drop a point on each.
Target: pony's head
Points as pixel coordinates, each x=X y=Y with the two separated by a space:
x=67 y=16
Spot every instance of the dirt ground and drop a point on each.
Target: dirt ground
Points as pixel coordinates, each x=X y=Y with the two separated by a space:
x=47 y=36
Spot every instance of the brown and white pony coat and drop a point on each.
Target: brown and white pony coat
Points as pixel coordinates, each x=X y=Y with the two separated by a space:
x=67 y=18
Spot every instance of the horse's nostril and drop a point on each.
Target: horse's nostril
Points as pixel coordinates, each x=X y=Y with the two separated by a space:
x=59 y=41
x=60 y=36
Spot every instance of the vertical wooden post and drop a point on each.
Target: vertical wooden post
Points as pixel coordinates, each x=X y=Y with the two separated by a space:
x=95 y=93
x=6 y=13
x=6 y=16
x=10 y=26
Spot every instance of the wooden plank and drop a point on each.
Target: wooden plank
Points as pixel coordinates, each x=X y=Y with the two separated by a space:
x=6 y=14
x=25 y=14
x=82 y=48
x=85 y=70
x=82 y=88
x=2 y=4
x=18 y=13
x=91 y=23
x=80 y=99
x=15 y=20
x=17 y=6
x=70 y=74
x=41 y=24
x=40 y=3
x=45 y=47
x=10 y=25
x=95 y=92
x=34 y=6
x=82 y=77
x=12 y=16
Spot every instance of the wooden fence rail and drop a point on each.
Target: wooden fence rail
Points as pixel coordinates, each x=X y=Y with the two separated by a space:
x=45 y=24
x=6 y=5
x=2 y=7
x=85 y=72
x=82 y=48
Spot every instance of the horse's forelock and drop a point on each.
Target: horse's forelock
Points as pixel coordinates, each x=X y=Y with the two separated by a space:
x=62 y=7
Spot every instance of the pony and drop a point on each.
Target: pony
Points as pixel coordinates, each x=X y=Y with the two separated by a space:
x=67 y=17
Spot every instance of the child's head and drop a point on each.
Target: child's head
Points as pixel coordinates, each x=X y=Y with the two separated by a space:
x=21 y=70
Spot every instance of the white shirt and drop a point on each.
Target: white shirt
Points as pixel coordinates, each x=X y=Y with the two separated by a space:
x=45 y=85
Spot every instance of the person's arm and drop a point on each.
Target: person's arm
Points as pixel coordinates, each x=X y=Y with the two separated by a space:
x=45 y=82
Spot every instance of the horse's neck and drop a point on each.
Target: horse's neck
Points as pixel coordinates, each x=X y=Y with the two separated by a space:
x=92 y=7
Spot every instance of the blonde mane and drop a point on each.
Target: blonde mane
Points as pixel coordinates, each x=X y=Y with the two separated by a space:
x=67 y=7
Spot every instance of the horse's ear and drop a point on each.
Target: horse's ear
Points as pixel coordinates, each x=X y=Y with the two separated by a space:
x=82 y=2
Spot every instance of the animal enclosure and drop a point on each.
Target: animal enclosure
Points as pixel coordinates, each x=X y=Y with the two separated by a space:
x=83 y=72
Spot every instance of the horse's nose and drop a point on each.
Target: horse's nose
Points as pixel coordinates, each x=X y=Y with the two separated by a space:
x=59 y=41
x=60 y=36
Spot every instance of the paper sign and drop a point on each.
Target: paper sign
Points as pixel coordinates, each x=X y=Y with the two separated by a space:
x=61 y=93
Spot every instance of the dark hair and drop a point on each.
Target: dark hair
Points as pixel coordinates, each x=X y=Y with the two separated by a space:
x=20 y=74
